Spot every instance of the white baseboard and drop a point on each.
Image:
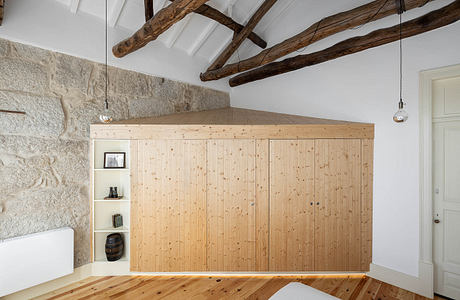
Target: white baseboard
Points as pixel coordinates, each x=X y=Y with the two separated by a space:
x=422 y=285
x=78 y=274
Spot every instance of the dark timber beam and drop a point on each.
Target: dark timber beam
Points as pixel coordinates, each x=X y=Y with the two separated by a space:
x=324 y=28
x=148 y=5
x=214 y=14
x=242 y=35
x=433 y=20
x=163 y=20
x=1 y=11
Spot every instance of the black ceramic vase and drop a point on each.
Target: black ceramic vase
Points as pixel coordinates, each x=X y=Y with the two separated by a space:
x=114 y=246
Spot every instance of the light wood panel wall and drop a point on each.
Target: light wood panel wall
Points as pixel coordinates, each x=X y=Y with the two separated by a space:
x=291 y=205
x=169 y=206
x=338 y=205
x=231 y=203
x=367 y=157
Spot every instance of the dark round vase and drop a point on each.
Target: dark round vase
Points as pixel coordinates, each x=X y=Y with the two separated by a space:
x=114 y=246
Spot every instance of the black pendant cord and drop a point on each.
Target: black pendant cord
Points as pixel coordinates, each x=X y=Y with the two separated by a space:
x=106 y=102
x=400 y=58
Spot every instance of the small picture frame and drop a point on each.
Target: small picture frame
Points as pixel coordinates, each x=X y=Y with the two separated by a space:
x=114 y=160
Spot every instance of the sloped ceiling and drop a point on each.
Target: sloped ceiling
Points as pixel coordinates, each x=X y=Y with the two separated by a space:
x=195 y=35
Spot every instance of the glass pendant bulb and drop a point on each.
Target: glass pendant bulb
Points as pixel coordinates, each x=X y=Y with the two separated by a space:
x=105 y=117
x=401 y=115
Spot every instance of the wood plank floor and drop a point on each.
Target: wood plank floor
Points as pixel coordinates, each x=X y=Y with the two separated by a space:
x=241 y=287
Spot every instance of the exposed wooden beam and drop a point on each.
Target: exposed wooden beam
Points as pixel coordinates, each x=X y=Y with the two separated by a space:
x=2 y=2
x=73 y=6
x=324 y=28
x=242 y=35
x=148 y=6
x=214 y=14
x=163 y=20
x=435 y=19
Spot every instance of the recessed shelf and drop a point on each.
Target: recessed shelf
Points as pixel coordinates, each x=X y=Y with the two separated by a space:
x=103 y=200
x=112 y=229
x=111 y=170
x=112 y=262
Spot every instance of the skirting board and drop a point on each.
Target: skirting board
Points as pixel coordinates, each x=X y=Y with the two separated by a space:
x=422 y=285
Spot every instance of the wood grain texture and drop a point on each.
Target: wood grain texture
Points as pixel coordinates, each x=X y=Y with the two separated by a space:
x=214 y=14
x=170 y=209
x=367 y=157
x=430 y=21
x=231 y=202
x=238 y=39
x=2 y=4
x=338 y=205
x=292 y=244
x=225 y=287
x=152 y=29
x=231 y=123
x=262 y=204
x=326 y=27
x=148 y=7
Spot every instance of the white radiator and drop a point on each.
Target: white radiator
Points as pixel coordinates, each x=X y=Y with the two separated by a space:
x=32 y=259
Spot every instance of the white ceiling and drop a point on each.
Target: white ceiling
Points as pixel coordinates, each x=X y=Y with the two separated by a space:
x=195 y=35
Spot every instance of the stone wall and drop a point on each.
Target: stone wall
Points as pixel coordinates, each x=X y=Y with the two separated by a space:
x=44 y=166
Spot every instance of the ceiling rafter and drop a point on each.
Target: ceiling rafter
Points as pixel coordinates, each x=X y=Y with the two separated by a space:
x=430 y=21
x=2 y=3
x=230 y=38
x=148 y=7
x=242 y=35
x=214 y=14
x=326 y=27
x=152 y=29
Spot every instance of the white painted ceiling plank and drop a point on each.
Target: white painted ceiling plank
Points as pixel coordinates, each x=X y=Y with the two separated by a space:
x=116 y=12
x=177 y=30
x=202 y=38
x=73 y=6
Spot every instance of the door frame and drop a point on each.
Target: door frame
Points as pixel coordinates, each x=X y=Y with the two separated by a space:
x=426 y=169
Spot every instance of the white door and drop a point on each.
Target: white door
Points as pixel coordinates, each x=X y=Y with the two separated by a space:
x=446 y=186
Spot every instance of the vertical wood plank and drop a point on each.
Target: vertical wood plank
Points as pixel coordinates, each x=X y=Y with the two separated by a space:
x=231 y=205
x=337 y=207
x=169 y=205
x=366 y=202
x=262 y=205
x=136 y=190
x=291 y=209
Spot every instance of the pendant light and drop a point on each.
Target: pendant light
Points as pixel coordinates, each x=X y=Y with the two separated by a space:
x=105 y=117
x=401 y=115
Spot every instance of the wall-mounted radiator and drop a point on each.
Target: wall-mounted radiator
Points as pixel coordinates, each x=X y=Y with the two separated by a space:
x=35 y=258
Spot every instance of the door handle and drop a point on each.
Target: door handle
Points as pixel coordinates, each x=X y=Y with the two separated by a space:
x=437 y=221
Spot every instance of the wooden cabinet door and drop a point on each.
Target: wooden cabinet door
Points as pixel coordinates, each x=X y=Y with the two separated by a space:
x=235 y=239
x=338 y=176
x=291 y=205
x=168 y=208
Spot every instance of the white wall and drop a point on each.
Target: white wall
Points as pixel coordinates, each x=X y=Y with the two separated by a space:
x=364 y=87
x=50 y=25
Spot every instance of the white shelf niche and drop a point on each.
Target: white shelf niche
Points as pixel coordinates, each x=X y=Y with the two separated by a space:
x=103 y=212
x=101 y=146
x=99 y=249
x=104 y=180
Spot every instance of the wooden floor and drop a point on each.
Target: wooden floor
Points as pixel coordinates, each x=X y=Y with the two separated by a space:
x=201 y=287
